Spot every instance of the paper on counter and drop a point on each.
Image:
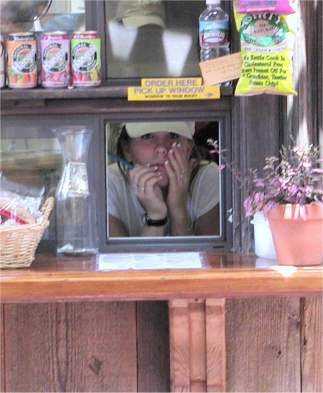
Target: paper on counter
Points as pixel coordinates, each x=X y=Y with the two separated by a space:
x=116 y=261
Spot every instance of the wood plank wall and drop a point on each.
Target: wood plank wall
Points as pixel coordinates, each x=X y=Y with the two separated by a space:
x=274 y=344
x=261 y=124
x=65 y=347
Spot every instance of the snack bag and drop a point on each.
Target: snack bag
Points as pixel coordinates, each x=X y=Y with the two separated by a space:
x=267 y=42
x=275 y=6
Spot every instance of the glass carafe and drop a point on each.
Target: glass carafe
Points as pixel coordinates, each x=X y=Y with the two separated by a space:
x=75 y=202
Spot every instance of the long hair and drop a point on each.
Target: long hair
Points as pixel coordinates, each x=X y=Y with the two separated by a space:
x=199 y=154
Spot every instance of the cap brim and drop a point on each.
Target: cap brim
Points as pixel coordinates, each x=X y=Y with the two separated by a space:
x=133 y=22
x=136 y=130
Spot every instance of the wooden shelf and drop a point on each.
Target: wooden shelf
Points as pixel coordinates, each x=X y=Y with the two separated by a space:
x=96 y=101
x=40 y=93
x=75 y=93
x=224 y=274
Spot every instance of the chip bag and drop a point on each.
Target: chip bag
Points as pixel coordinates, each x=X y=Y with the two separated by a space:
x=267 y=42
x=275 y=6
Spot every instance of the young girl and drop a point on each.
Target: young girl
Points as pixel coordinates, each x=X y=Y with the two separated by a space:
x=167 y=189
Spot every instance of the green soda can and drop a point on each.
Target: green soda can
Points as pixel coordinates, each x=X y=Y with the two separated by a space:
x=86 y=59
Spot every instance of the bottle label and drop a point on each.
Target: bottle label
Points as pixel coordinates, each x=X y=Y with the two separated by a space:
x=78 y=185
x=213 y=32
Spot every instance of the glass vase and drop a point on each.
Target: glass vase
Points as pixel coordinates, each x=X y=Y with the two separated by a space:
x=75 y=202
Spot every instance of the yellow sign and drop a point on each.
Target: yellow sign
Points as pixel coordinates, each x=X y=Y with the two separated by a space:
x=172 y=89
x=171 y=82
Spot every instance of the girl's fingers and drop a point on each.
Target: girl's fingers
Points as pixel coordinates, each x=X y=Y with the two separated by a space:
x=143 y=177
x=178 y=164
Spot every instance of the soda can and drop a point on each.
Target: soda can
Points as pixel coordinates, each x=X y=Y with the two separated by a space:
x=86 y=59
x=2 y=64
x=21 y=60
x=55 y=59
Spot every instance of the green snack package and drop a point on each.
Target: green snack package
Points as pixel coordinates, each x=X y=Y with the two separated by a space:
x=267 y=42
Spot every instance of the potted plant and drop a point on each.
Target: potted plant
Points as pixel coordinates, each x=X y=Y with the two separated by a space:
x=290 y=193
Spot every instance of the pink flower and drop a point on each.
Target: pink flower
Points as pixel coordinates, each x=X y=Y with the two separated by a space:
x=294 y=178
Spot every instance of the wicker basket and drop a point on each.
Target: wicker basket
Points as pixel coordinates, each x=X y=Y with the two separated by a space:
x=18 y=244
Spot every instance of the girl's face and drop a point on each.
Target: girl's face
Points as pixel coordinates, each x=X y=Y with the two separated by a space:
x=152 y=149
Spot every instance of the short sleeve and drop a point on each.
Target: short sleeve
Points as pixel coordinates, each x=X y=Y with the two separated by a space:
x=206 y=189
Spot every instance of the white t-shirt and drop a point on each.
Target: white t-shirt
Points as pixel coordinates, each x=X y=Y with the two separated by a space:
x=123 y=204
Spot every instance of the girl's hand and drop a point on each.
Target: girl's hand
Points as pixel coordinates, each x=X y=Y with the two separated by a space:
x=179 y=168
x=143 y=181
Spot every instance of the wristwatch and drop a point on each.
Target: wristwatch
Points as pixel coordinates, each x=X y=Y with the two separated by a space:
x=154 y=223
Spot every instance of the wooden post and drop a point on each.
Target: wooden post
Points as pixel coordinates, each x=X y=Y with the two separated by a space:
x=179 y=346
x=216 y=349
x=197 y=345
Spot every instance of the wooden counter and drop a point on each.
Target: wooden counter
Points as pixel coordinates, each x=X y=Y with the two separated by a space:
x=231 y=325
x=223 y=274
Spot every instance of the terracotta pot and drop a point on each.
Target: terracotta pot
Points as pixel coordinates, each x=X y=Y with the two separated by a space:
x=298 y=241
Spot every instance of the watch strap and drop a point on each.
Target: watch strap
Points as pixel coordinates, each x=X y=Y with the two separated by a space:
x=154 y=223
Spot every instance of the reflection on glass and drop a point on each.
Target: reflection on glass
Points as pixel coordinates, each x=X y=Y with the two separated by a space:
x=24 y=159
x=32 y=163
x=152 y=38
x=42 y=15
x=162 y=180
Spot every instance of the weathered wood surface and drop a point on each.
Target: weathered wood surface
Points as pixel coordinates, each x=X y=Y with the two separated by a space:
x=312 y=344
x=65 y=102
x=223 y=274
x=153 y=346
x=68 y=347
x=263 y=345
x=197 y=345
x=271 y=344
x=261 y=123
x=216 y=345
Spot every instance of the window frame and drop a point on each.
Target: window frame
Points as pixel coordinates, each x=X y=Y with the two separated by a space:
x=95 y=20
x=168 y=243
x=119 y=111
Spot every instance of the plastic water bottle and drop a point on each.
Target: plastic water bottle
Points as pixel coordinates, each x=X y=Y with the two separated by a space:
x=213 y=31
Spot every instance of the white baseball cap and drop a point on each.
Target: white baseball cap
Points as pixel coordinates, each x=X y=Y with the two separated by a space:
x=134 y=14
x=184 y=128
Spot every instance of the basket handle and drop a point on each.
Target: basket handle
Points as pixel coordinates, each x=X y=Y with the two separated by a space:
x=47 y=207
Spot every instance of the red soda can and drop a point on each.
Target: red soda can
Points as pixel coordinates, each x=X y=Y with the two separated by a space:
x=55 y=59
x=86 y=59
x=21 y=60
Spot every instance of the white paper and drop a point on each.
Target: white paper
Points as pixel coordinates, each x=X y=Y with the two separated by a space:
x=116 y=261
